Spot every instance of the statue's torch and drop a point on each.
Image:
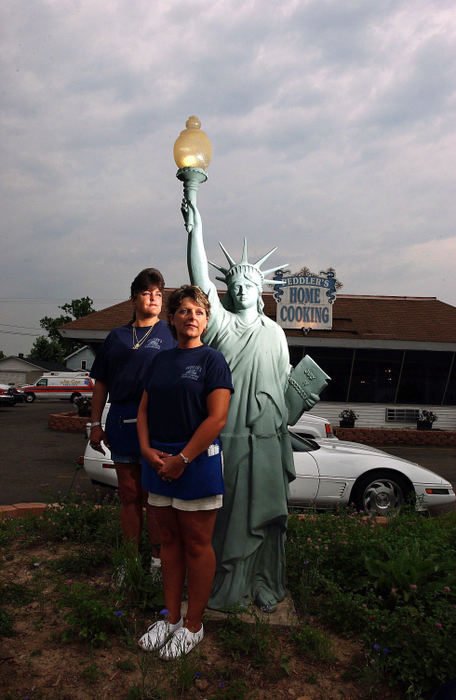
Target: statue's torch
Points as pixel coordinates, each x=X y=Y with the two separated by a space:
x=192 y=153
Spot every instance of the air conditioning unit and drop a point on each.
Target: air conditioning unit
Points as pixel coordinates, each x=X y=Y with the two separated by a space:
x=401 y=415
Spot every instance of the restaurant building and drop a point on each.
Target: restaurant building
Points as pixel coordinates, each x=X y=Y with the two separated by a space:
x=387 y=356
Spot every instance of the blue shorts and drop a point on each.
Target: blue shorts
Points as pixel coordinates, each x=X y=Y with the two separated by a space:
x=125 y=459
x=122 y=434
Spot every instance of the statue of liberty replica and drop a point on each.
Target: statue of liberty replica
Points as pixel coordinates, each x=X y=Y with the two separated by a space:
x=249 y=536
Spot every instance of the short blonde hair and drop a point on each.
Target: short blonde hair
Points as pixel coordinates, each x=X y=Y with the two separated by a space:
x=191 y=291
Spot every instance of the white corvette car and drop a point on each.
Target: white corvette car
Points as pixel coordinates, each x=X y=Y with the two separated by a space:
x=335 y=472
x=332 y=473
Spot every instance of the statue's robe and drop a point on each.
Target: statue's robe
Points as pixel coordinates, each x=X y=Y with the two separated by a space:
x=249 y=536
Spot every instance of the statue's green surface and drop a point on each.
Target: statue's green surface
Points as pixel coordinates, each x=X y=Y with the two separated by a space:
x=258 y=461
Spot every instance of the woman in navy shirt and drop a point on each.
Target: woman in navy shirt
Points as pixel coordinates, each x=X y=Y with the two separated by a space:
x=119 y=370
x=183 y=409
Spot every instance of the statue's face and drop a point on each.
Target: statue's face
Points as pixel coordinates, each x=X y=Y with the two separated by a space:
x=243 y=292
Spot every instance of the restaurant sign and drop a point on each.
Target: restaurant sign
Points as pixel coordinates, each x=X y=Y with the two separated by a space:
x=305 y=301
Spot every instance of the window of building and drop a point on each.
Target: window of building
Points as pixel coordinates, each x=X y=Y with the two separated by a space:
x=424 y=377
x=296 y=354
x=375 y=375
x=337 y=363
x=450 y=394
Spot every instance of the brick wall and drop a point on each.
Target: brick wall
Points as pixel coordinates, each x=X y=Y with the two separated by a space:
x=67 y=422
x=72 y=423
x=395 y=436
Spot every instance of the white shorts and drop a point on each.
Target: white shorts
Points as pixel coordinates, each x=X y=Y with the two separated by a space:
x=208 y=503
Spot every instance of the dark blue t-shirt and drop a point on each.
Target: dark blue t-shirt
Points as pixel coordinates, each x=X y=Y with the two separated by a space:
x=177 y=384
x=123 y=369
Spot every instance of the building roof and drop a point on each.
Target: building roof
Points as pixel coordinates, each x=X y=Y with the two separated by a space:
x=362 y=317
x=36 y=364
x=421 y=319
x=78 y=351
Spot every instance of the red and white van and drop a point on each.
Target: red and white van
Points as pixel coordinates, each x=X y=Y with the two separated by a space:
x=60 y=385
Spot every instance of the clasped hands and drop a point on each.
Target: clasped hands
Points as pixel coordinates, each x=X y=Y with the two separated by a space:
x=168 y=467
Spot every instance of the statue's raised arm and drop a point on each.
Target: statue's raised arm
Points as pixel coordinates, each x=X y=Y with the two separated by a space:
x=196 y=253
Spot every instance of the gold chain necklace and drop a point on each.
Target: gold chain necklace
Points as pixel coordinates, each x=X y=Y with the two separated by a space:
x=137 y=343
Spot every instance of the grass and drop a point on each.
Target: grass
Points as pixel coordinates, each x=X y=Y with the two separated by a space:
x=376 y=613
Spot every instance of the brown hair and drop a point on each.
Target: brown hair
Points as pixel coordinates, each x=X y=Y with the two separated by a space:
x=192 y=292
x=149 y=277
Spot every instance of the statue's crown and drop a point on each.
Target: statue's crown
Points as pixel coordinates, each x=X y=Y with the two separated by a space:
x=244 y=267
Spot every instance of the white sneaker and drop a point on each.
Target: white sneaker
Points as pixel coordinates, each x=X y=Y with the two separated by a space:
x=158 y=633
x=155 y=563
x=118 y=576
x=155 y=569
x=182 y=642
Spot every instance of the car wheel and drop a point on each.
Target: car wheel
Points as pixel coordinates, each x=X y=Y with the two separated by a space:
x=381 y=493
x=30 y=397
x=74 y=396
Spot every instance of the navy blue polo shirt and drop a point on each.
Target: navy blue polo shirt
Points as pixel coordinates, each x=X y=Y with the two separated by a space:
x=123 y=369
x=178 y=383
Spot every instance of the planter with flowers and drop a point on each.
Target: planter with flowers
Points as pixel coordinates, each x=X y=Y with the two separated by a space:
x=347 y=418
x=84 y=406
x=425 y=419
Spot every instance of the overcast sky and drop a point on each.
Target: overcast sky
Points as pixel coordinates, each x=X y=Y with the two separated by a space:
x=333 y=132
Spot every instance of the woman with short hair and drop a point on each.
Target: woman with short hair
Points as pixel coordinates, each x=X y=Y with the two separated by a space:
x=183 y=409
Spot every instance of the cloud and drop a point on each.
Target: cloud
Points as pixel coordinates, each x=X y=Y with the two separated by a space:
x=332 y=126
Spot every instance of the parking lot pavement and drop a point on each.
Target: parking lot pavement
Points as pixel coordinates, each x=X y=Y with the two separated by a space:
x=441 y=460
x=38 y=464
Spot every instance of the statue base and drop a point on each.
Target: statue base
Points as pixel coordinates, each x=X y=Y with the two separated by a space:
x=284 y=616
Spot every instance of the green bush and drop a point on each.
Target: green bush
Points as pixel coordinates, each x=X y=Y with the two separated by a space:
x=89 y=618
x=15 y=593
x=396 y=585
x=314 y=643
x=81 y=522
x=77 y=521
x=241 y=640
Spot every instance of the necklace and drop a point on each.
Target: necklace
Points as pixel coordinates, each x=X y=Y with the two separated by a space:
x=137 y=343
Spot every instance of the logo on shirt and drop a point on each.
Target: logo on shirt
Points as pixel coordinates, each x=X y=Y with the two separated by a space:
x=154 y=344
x=192 y=372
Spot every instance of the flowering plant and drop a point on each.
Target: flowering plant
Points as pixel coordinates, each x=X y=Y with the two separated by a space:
x=426 y=416
x=84 y=406
x=348 y=414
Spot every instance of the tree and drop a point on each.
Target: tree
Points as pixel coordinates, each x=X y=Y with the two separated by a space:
x=54 y=348
x=48 y=350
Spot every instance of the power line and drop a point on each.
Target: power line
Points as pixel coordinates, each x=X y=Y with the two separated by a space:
x=40 y=300
x=12 y=325
x=32 y=335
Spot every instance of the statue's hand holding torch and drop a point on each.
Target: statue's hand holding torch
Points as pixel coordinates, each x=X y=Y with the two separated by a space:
x=188 y=214
x=192 y=217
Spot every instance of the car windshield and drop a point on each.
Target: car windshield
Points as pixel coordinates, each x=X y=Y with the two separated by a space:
x=302 y=444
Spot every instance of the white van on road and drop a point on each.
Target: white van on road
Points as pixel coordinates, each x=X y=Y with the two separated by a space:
x=60 y=385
